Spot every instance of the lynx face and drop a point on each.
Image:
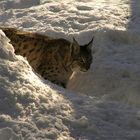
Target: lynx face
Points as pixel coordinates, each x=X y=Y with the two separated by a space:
x=83 y=57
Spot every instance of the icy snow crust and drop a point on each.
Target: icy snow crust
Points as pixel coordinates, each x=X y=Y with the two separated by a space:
x=102 y=104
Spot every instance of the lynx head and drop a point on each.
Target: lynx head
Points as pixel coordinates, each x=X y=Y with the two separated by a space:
x=82 y=56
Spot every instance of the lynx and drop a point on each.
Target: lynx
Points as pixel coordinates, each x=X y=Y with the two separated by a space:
x=53 y=59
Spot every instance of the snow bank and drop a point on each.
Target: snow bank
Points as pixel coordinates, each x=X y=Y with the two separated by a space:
x=25 y=99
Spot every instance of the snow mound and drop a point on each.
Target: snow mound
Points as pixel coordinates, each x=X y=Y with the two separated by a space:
x=26 y=98
x=4 y=42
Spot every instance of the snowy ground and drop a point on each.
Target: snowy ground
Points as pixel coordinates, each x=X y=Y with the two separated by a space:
x=102 y=104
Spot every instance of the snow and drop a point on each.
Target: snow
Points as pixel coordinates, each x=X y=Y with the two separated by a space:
x=102 y=104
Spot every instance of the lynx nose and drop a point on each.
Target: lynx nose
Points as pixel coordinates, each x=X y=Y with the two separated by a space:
x=87 y=67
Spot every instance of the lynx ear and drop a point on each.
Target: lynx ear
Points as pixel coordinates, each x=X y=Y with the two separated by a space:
x=75 y=42
x=89 y=45
x=75 y=48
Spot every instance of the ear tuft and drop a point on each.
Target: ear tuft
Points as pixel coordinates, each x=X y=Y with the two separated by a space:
x=75 y=42
x=89 y=45
x=75 y=48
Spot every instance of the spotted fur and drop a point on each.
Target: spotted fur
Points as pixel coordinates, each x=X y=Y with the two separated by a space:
x=53 y=59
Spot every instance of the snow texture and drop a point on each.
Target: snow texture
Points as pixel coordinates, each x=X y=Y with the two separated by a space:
x=102 y=104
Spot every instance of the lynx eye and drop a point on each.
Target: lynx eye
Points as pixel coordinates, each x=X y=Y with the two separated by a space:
x=83 y=60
